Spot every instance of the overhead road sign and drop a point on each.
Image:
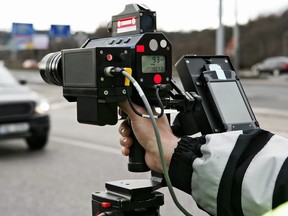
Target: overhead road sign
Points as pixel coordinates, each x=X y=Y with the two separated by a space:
x=22 y=29
x=61 y=31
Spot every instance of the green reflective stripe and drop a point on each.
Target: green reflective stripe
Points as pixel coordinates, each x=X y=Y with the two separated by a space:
x=260 y=177
x=208 y=170
x=282 y=210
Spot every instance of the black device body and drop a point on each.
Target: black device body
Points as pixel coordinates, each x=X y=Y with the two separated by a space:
x=84 y=82
x=96 y=94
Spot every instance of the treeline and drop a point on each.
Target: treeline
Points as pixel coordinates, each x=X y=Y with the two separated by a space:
x=260 y=38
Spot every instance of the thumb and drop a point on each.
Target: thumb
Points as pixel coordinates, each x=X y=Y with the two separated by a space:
x=125 y=107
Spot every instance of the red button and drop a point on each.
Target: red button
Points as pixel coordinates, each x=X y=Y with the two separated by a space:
x=140 y=48
x=157 y=78
x=109 y=57
x=105 y=204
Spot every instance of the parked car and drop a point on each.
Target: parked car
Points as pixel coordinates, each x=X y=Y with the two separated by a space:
x=30 y=64
x=273 y=65
x=23 y=112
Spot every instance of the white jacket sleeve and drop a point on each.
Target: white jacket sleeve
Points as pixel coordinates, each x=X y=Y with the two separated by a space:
x=233 y=173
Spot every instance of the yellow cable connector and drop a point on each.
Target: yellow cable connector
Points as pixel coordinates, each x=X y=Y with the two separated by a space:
x=127 y=81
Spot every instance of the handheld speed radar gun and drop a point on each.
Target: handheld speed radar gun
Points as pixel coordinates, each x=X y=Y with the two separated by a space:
x=135 y=64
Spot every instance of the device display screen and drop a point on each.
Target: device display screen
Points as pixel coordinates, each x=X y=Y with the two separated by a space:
x=153 y=64
x=230 y=102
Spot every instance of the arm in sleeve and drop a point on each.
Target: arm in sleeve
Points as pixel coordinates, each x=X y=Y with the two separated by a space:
x=233 y=173
x=180 y=169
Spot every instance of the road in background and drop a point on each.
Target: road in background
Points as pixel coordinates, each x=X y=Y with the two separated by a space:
x=268 y=97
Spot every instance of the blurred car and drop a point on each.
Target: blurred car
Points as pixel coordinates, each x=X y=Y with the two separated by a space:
x=273 y=65
x=23 y=112
x=30 y=64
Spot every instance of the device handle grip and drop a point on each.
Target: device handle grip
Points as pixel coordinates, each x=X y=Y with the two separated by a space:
x=137 y=157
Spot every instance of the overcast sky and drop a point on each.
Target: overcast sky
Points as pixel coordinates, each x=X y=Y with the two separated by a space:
x=172 y=15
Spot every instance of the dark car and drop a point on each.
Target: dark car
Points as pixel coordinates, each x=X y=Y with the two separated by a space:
x=273 y=65
x=23 y=112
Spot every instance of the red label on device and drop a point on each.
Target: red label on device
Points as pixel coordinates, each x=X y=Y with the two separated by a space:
x=126 y=24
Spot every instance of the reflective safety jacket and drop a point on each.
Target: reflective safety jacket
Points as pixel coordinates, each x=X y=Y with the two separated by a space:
x=233 y=173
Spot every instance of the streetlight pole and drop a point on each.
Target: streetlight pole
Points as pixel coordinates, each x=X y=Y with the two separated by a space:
x=220 y=33
x=236 y=39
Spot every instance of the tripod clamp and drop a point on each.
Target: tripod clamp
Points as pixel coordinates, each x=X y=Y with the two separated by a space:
x=128 y=197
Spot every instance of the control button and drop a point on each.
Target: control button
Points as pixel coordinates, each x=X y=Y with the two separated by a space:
x=127 y=40
x=163 y=43
x=140 y=48
x=118 y=41
x=153 y=44
x=109 y=57
x=123 y=56
x=105 y=204
x=157 y=78
x=111 y=42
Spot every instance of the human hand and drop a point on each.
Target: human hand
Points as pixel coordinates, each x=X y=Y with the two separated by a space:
x=144 y=132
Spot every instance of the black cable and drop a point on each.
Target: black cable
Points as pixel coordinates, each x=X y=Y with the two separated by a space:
x=143 y=115
x=159 y=102
x=133 y=107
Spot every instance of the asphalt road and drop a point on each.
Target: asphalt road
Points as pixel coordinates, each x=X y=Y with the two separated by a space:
x=80 y=158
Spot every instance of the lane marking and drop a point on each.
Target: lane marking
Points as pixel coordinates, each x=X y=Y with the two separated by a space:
x=270 y=111
x=59 y=105
x=86 y=145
